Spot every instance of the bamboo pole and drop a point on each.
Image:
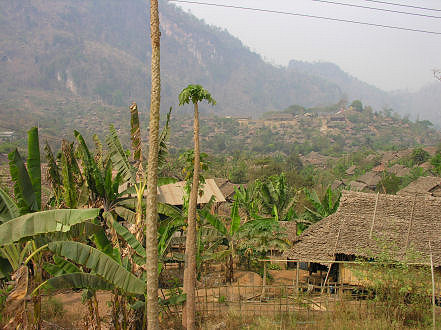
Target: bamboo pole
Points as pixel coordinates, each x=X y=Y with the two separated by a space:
x=297 y=277
x=433 y=287
x=343 y=262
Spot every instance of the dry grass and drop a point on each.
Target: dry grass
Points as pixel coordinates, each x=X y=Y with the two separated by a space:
x=346 y=316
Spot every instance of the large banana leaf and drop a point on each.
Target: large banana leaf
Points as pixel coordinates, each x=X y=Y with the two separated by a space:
x=43 y=222
x=34 y=166
x=8 y=208
x=129 y=238
x=53 y=171
x=60 y=266
x=119 y=158
x=215 y=222
x=126 y=213
x=23 y=189
x=99 y=263
x=75 y=281
x=135 y=133
x=69 y=190
x=235 y=219
x=92 y=172
x=163 y=140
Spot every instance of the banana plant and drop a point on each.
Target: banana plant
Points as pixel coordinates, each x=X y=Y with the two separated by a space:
x=32 y=227
x=274 y=198
x=230 y=236
x=27 y=179
x=246 y=197
x=321 y=208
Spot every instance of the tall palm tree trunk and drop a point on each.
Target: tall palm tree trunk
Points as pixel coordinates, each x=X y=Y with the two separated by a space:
x=188 y=317
x=152 y=176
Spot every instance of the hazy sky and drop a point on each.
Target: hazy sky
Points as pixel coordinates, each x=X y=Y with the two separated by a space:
x=389 y=59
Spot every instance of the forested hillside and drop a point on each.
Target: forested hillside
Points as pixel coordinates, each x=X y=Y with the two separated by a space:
x=77 y=63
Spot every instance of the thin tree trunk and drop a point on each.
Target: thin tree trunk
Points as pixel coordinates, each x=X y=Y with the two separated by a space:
x=188 y=317
x=262 y=295
x=152 y=176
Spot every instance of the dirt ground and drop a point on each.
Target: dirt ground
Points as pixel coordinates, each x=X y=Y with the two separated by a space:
x=247 y=286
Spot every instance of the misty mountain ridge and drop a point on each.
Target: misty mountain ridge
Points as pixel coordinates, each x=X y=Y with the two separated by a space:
x=84 y=55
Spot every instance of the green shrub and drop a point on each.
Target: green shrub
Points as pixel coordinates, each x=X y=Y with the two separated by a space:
x=419 y=156
x=400 y=289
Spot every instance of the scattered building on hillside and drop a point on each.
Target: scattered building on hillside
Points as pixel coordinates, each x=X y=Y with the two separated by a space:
x=423 y=186
x=357 y=185
x=338 y=185
x=371 y=179
x=399 y=170
x=379 y=168
x=351 y=170
x=366 y=224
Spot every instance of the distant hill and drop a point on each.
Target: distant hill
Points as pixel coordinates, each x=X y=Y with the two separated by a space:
x=351 y=87
x=78 y=64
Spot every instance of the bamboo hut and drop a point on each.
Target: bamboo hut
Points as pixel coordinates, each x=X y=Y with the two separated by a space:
x=363 y=220
x=425 y=186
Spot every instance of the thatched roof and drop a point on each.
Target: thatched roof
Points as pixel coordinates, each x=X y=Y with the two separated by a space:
x=338 y=184
x=399 y=170
x=290 y=229
x=173 y=193
x=226 y=187
x=357 y=185
x=424 y=185
x=407 y=223
x=351 y=170
x=370 y=178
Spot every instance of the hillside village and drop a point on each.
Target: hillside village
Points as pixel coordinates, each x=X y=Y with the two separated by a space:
x=329 y=133
x=256 y=213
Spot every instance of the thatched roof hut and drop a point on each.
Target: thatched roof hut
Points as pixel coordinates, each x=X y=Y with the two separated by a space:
x=371 y=179
x=226 y=187
x=399 y=170
x=424 y=186
x=357 y=186
x=363 y=220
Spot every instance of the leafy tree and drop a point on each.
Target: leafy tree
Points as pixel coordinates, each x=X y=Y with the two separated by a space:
x=259 y=236
x=357 y=105
x=389 y=184
x=436 y=162
x=419 y=156
x=193 y=94
x=230 y=235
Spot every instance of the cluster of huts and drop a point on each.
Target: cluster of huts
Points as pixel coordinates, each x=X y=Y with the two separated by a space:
x=363 y=226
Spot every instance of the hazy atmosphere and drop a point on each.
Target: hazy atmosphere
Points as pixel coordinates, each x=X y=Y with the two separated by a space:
x=389 y=59
x=220 y=164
